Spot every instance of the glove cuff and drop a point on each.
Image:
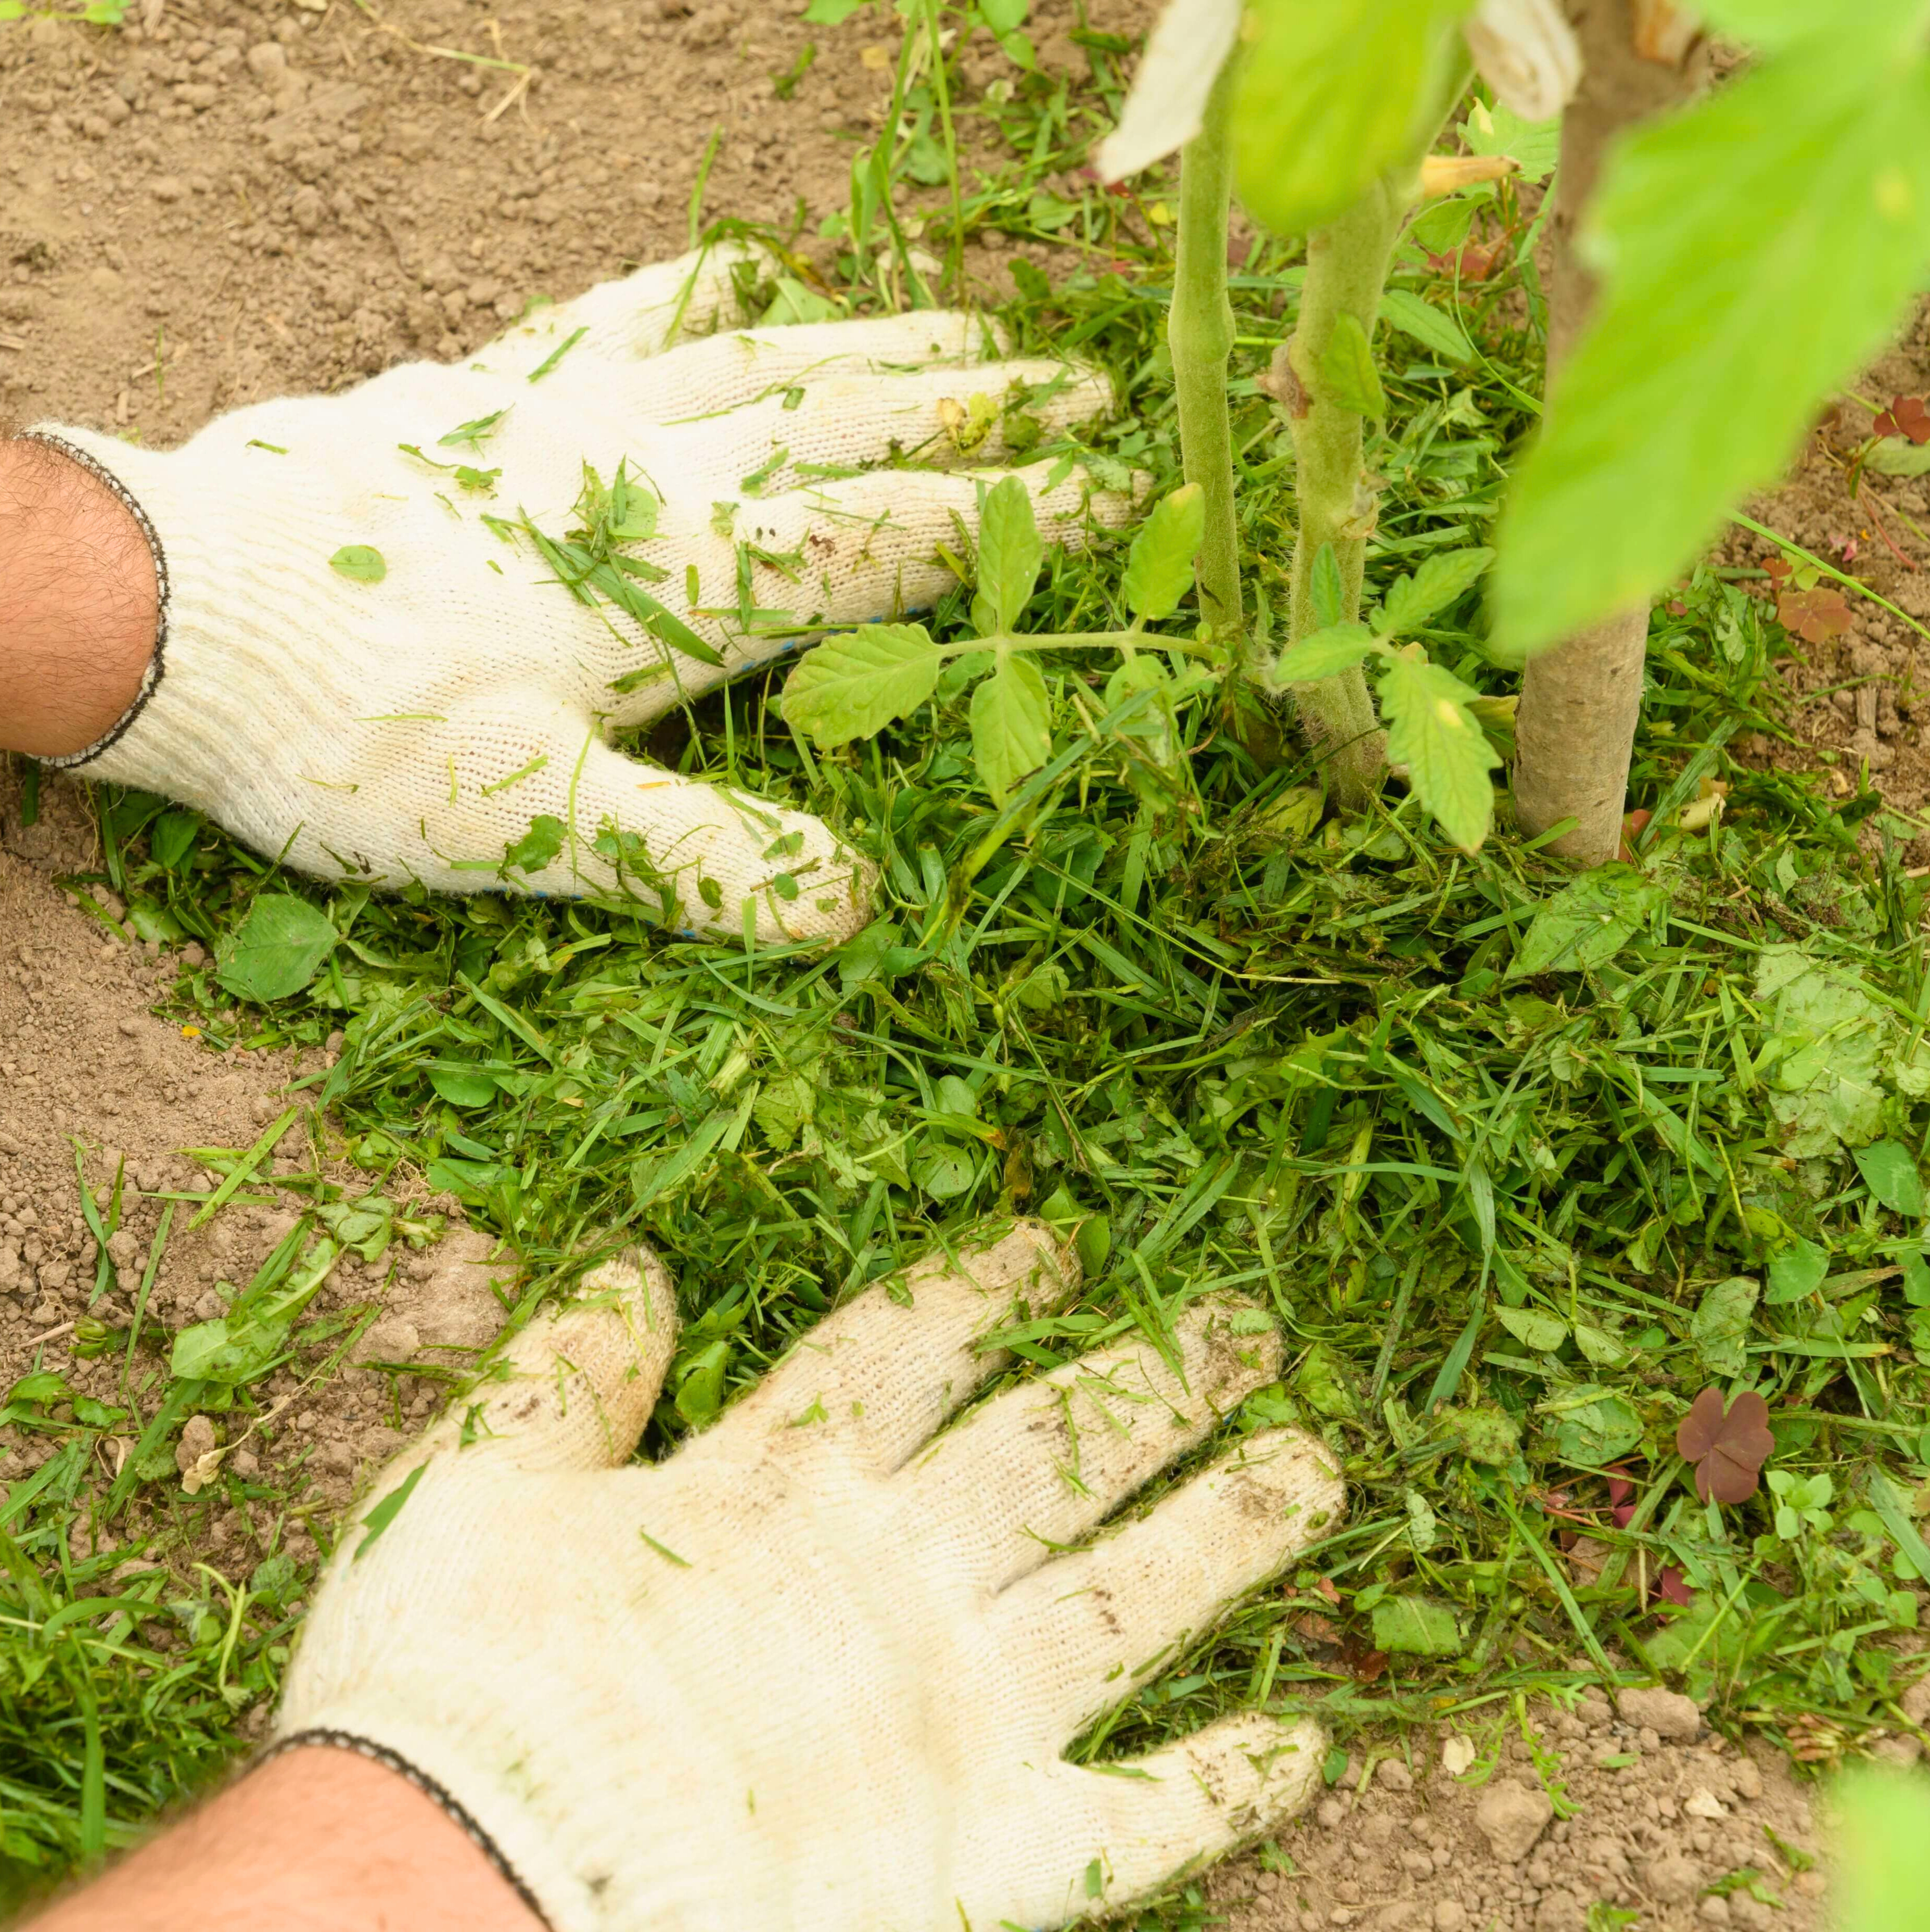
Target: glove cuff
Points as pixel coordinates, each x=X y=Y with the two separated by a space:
x=157 y=664
x=445 y=1800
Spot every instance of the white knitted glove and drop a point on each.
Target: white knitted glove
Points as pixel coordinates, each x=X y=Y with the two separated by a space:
x=817 y=1671
x=418 y=727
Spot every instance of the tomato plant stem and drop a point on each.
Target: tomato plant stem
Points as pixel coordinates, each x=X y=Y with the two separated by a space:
x=1346 y=269
x=1200 y=332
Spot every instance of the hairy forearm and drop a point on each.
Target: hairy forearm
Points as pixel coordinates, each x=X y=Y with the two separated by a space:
x=79 y=603
x=320 y=1841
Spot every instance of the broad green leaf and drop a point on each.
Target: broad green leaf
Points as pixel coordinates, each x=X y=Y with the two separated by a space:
x=1771 y=25
x=1593 y=1425
x=1332 y=93
x=1755 y=250
x=1012 y=722
x=1159 y=567
x=1602 y=1346
x=1009 y=555
x=1339 y=648
x=1536 y=144
x=1415 y=1627
x=1825 y=1057
x=943 y=1170
x=1443 y=578
x=1586 y=923
x=700 y=1382
x=1484 y=1434
x=1720 y=1324
x=463 y=1089
x=1004 y=16
x=1797 y=1271
x=198 y=1348
x=1432 y=328
x=832 y=13
x=1890 y=1174
x=1431 y=731
x=359 y=562
x=276 y=949
x=852 y=686
x=1883 y=1823
x=1327 y=587
x=536 y=850
x=171 y=837
x=1322 y=1379
x=1898 y=456
x=1532 y=1329
x=1348 y=378
x=1443 y=228
x=42 y=1387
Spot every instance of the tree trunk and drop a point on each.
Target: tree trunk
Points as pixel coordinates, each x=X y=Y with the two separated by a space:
x=1574 y=729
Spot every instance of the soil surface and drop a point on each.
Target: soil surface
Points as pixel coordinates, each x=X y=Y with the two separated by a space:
x=224 y=202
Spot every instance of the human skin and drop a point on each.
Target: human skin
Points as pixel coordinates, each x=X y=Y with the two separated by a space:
x=79 y=603
x=322 y=1840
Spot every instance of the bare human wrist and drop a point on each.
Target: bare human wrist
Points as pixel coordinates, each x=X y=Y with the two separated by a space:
x=81 y=595
x=316 y=1840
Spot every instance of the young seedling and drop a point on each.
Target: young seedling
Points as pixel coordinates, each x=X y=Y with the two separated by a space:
x=853 y=685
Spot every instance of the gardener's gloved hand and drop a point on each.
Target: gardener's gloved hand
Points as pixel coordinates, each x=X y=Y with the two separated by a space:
x=817 y=1671
x=411 y=709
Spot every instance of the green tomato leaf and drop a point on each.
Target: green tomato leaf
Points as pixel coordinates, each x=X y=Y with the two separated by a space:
x=1337 y=648
x=1009 y=556
x=1715 y=231
x=1348 y=378
x=1332 y=94
x=1432 y=328
x=1535 y=145
x=1159 y=568
x=1012 y=722
x=276 y=949
x=1774 y=24
x=1891 y=1175
x=1432 y=732
x=359 y=562
x=1415 y=1627
x=852 y=686
x=1437 y=584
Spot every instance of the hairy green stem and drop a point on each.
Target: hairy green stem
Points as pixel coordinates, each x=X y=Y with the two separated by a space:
x=1346 y=269
x=1200 y=332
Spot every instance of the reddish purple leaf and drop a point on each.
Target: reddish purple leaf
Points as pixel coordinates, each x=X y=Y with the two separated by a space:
x=1673 y=1587
x=1728 y=1448
x=1905 y=416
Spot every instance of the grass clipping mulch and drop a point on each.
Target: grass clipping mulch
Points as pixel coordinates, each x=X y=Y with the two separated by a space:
x=1521 y=1163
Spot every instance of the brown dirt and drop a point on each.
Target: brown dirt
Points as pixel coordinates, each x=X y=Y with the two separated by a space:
x=88 y=1069
x=1651 y=1833
x=228 y=201
x=1863 y=699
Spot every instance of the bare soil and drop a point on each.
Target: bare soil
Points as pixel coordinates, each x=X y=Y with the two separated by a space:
x=223 y=202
